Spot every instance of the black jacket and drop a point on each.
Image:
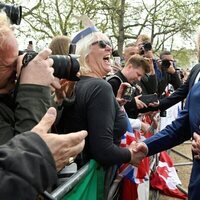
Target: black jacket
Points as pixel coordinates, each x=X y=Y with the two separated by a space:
x=27 y=168
x=166 y=79
x=96 y=110
x=149 y=84
x=23 y=113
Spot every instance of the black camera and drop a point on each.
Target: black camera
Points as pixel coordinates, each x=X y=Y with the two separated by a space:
x=145 y=47
x=13 y=11
x=65 y=66
x=165 y=64
x=129 y=93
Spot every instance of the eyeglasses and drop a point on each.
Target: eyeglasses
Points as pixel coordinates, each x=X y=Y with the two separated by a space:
x=102 y=43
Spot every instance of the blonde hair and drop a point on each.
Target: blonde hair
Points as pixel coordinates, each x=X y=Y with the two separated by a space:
x=138 y=61
x=60 y=45
x=143 y=38
x=83 y=50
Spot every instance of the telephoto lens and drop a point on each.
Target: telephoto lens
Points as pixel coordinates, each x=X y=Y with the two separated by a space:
x=65 y=66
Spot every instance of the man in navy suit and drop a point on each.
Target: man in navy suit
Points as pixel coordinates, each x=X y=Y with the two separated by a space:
x=182 y=129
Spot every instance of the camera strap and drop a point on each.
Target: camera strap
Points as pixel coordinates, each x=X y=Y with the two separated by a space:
x=17 y=83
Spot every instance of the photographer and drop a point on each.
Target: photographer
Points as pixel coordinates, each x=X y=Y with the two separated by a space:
x=168 y=76
x=167 y=67
x=29 y=161
x=148 y=82
x=22 y=106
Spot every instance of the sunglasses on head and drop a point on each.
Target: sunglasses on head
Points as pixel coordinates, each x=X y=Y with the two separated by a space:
x=102 y=43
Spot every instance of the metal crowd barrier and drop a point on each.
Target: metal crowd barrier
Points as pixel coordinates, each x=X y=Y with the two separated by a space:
x=66 y=186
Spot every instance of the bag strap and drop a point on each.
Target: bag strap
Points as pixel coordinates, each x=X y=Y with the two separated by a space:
x=113 y=76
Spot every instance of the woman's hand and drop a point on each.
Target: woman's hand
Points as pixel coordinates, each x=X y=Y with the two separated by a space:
x=120 y=93
x=138 y=152
x=65 y=91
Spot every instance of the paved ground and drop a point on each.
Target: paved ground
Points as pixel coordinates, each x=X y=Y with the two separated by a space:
x=182 y=170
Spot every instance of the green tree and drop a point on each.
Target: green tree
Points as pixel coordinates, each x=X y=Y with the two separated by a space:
x=122 y=20
x=185 y=58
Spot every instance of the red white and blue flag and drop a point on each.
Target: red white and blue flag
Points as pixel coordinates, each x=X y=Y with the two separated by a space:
x=165 y=178
x=135 y=174
x=132 y=176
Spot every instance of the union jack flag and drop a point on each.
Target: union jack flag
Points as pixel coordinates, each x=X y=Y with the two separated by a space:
x=135 y=174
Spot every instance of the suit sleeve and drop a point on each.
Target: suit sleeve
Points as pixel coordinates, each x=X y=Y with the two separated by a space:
x=178 y=95
x=174 y=134
x=26 y=167
x=175 y=81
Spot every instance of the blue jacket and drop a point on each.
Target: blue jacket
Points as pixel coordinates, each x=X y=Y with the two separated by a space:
x=179 y=131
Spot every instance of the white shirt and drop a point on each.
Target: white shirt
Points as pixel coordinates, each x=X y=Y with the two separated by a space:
x=135 y=123
x=197 y=78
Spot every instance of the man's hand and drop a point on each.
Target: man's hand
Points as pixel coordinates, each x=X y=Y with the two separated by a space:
x=39 y=71
x=154 y=104
x=196 y=145
x=150 y=61
x=62 y=147
x=140 y=104
x=171 y=69
x=138 y=152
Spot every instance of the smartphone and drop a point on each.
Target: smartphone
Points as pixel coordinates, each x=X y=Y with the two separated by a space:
x=117 y=60
x=149 y=98
x=128 y=93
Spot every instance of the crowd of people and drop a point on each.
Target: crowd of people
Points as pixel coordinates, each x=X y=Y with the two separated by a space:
x=48 y=122
x=30 y=156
